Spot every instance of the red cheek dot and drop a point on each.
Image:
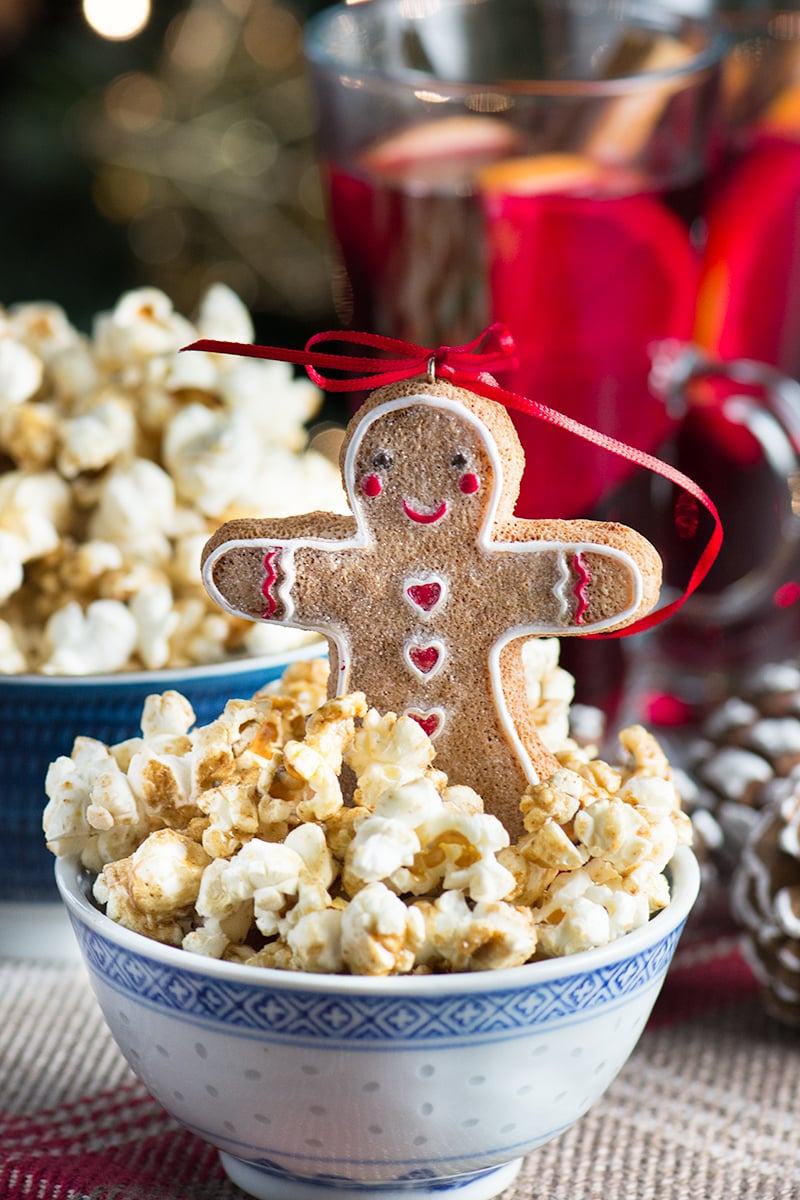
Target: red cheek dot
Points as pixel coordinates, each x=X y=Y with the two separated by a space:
x=371 y=485
x=469 y=483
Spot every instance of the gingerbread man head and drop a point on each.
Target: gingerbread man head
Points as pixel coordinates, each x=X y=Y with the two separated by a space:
x=438 y=458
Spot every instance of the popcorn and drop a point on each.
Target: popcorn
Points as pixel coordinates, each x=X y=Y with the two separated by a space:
x=33 y=509
x=588 y=913
x=489 y=936
x=92 y=440
x=550 y=690
x=387 y=750
x=21 y=373
x=118 y=440
x=157 y=888
x=12 y=659
x=315 y=943
x=95 y=642
x=91 y=810
x=156 y=620
x=239 y=839
x=380 y=934
x=141 y=326
x=135 y=510
x=318 y=760
x=616 y=832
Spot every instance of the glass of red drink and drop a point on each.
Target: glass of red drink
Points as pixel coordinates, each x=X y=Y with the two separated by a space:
x=749 y=294
x=537 y=162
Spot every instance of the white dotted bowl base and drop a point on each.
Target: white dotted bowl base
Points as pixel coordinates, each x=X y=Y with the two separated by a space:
x=269 y=1185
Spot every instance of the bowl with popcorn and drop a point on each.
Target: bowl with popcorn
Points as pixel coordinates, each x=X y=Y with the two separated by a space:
x=324 y=957
x=118 y=456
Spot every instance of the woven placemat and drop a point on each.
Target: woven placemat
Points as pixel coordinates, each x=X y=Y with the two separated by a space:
x=707 y=1108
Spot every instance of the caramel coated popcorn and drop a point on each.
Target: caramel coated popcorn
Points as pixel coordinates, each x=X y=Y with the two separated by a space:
x=317 y=835
x=118 y=457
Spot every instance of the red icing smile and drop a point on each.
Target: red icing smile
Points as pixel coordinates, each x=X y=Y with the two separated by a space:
x=425 y=518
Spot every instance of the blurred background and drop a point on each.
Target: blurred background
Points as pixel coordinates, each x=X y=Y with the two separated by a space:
x=163 y=142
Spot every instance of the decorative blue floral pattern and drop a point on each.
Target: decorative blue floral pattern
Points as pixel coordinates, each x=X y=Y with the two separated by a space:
x=304 y=1016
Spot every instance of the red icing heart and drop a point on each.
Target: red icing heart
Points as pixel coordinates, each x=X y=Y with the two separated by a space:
x=425 y=595
x=424 y=658
x=429 y=722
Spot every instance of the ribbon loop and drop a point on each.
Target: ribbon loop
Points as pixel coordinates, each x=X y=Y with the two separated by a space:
x=393 y=360
x=470 y=365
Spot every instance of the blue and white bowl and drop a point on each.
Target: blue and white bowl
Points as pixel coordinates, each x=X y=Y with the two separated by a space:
x=320 y=1087
x=40 y=717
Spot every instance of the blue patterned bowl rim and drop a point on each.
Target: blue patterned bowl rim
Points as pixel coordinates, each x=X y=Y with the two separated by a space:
x=683 y=870
x=166 y=678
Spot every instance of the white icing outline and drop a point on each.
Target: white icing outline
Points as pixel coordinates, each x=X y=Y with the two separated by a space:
x=421 y=579
x=415 y=643
x=559 y=587
x=423 y=713
x=484 y=540
x=288 y=546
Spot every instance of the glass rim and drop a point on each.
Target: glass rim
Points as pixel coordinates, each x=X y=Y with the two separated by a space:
x=699 y=64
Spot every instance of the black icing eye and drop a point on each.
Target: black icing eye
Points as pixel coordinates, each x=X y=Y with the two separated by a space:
x=382 y=460
x=459 y=460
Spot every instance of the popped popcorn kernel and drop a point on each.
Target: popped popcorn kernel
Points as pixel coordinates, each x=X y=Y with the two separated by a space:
x=490 y=936
x=12 y=658
x=305 y=682
x=95 y=641
x=168 y=714
x=531 y=879
x=380 y=934
x=555 y=799
x=166 y=871
x=549 y=689
x=551 y=846
x=386 y=752
x=614 y=831
x=646 y=756
x=579 y=914
x=91 y=811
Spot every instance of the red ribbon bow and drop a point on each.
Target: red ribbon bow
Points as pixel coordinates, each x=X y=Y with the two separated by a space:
x=470 y=366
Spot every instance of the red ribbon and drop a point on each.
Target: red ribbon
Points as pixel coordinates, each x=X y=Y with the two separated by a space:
x=470 y=366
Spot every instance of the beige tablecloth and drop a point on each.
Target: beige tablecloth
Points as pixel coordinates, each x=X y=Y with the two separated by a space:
x=707 y=1108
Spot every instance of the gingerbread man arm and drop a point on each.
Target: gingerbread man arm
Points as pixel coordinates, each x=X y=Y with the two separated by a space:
x=603 y=575
x=251 y=567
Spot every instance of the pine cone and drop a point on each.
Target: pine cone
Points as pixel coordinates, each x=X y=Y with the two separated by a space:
x=766 y=899
x=746 y=743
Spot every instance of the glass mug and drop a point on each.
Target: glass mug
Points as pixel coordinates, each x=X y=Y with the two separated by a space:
x=748 y=303
x=738 y=437
x=537 y=162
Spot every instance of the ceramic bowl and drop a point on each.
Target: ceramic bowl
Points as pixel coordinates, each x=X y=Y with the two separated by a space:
x=318 y=1086
x=40 y=717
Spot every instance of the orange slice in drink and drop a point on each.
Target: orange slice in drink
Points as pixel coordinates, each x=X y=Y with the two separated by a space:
x=447 y=151
x=405 y=221
x=587 y=271
x=749 y=294
x=781 y=117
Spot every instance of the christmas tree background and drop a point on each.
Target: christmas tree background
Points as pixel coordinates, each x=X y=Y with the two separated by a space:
x=176 y=157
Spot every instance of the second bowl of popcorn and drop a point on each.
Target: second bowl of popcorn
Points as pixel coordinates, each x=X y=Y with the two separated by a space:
x=118 y=456
x=385 y=997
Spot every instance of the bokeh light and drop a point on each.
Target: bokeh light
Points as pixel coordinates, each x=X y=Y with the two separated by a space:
x=117 y=19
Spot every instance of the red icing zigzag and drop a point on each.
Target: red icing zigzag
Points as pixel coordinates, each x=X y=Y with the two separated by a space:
x=579 y=591
x=270 y=578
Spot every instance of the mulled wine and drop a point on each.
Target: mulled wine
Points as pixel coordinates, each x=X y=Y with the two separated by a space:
x=588 y=265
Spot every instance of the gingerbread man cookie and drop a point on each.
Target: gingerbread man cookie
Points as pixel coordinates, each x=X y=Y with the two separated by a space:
x=426 y=592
